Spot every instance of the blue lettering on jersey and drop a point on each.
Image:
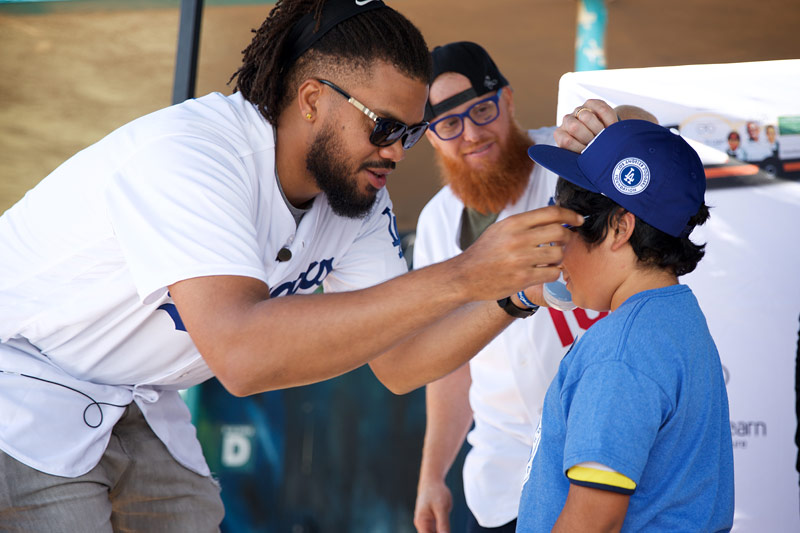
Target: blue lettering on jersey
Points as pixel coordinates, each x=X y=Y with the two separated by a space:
x=313 y=277
x=393 y=233
x=172 y=311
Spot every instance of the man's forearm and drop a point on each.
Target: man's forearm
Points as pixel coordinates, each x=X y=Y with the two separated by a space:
x=254 y=343
x=270 y=343
x=441 y=347
x=449 y=417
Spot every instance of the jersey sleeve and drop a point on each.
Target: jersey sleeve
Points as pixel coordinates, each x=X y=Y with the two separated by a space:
x=183 y=208
x=375 y=255
x=613 y=414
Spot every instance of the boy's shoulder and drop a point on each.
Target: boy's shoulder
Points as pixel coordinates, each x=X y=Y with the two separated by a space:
x=643 y=322
x=655 y=306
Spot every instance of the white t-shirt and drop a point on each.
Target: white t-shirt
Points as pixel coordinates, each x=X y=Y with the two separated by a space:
x=88 y=255
x=511 y=374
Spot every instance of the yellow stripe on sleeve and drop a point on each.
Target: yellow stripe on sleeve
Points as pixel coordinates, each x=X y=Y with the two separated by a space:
x=601 y=479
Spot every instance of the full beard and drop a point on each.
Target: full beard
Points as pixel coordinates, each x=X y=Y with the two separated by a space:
x=489 y=190
x=332 y=177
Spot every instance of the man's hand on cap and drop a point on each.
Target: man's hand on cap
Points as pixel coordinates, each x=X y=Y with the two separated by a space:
x=582 y=125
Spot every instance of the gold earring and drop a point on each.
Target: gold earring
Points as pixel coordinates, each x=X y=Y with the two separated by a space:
x=308 y=116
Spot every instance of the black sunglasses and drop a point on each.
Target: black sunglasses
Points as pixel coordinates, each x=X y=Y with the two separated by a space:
x=387 y=131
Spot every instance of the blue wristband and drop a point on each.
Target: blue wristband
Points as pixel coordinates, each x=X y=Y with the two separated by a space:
x=524 y=300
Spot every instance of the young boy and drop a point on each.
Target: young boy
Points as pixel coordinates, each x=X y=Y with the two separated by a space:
x=635 y=433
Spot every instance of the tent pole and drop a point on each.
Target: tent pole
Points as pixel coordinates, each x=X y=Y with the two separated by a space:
x=188 y=45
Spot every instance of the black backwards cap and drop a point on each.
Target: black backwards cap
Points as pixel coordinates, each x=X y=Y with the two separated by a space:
x=470 y=60
x=308 y=30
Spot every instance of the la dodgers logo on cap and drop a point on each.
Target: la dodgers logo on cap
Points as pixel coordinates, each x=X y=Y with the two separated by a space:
x=631 y=176
x=641 y=166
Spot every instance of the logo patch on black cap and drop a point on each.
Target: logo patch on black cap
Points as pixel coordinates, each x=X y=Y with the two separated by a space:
x=631 y=176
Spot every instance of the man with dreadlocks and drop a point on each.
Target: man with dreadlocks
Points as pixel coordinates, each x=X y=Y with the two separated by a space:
x=187 y=244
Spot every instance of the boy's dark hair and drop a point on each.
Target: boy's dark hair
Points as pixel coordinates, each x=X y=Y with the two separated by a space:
x=356 y=43
x=652 y=246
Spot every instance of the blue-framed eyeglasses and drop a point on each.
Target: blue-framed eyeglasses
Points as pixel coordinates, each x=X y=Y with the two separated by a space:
x=480 y=113
x=387 y=131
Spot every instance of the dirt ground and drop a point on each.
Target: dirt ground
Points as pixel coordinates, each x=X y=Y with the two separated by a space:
x=71 y=75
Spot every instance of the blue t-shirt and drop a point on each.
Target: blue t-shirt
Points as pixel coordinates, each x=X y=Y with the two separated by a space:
x=642 y=392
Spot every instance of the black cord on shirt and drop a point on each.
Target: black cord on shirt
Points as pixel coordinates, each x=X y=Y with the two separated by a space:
x=93 y=402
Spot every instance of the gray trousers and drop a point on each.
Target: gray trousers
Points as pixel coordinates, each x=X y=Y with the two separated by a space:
x=137 y=486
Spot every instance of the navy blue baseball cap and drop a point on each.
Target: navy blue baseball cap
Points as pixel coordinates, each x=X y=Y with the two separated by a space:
x=643 y=167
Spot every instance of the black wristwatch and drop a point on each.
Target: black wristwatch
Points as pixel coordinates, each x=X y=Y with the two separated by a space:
x=514 y=310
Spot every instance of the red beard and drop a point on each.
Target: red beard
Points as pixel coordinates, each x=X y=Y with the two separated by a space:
x=489 y=190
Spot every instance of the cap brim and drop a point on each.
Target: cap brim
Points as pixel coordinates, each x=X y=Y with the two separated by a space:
x=562 y=162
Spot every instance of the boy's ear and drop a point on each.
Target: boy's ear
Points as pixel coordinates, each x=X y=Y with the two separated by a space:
x=622 y=226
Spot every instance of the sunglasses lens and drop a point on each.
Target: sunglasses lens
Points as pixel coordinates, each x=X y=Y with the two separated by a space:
x=386 y=132
x=414 y=134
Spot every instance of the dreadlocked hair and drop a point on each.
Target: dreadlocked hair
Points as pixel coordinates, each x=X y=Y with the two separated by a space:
x=652 y=247
x=380 y=34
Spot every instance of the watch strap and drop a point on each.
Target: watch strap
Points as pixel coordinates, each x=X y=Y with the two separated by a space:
x=507 y=305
